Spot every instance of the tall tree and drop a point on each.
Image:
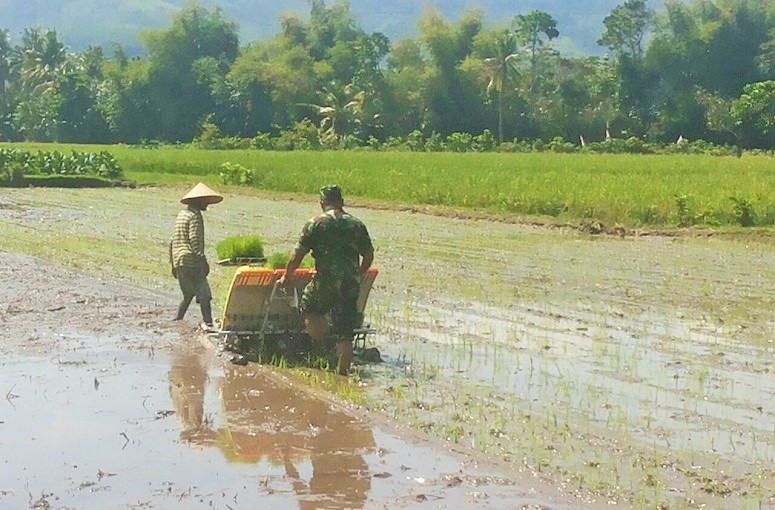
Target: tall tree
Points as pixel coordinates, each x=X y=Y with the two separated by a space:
x=583 y=98
x=43 y=57
x=503 y=69
x=755 y=111
x=92 y=60
x=534 y=30
x=329 y=25
x=125 y=101
x=720 y=116
x=6 y=76
x=340 y=111
x=407 y=75
x=626 y=28
x=272 y=78
x=711 y=45
x=180 y=98
x=40 y=61
x=451 y=101
x=5 y=60
x=79 y=118
x=766 y=58
x=531 y=29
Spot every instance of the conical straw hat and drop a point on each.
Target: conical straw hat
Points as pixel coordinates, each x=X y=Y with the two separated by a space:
x=203 y=193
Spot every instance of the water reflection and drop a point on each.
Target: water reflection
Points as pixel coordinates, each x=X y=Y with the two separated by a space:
x=319 y=450
x=188 y=377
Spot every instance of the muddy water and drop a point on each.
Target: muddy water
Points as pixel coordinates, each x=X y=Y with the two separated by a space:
x=108 y=405
x=633 y=370
x=104 y=433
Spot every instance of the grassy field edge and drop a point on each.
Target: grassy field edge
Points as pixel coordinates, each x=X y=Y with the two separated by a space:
x=608 y=192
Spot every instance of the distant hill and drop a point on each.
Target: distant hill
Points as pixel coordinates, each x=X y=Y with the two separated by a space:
x=101 y=22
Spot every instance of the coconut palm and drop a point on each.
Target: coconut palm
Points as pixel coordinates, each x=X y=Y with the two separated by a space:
x=42 y=59
x=340 y=110
x=503 y=69
x=6 y=52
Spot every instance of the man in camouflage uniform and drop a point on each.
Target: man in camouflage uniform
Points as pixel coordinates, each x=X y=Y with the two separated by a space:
x=343 y=252
x=187 y=252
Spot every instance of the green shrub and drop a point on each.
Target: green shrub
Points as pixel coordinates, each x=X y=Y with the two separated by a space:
x=246 y=246
x=208 y=134
x=685 y=218
x=101 y=164
x=434 y=143
x=373 y=143
x=394 y=143
x=743 y=210
x=236 y=174
x=349 y=142
x=485 y=142
x=559 y=145
x=460 y=142
x=11 y=173
x=634 y=145
x=302 y=135
x=262 y=141
x=414 y=141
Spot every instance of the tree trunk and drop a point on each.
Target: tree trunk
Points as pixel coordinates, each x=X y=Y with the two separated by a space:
x=500 y=116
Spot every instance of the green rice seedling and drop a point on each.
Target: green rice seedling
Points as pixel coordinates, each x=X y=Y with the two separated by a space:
x=244 y=246
x=279 y=260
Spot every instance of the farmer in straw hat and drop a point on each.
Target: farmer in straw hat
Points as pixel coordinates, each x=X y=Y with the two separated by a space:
x=187 y=252
x=343 y=252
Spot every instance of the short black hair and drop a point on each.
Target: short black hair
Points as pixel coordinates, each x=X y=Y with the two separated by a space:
x=331 y=194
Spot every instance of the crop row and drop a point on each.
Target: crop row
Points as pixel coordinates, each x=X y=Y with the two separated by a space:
x=15 y=163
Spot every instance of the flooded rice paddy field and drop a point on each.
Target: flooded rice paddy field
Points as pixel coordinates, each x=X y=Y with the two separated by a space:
x=108 y=404
x=634 y=372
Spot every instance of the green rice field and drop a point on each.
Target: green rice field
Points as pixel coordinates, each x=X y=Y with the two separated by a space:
x=633 y=191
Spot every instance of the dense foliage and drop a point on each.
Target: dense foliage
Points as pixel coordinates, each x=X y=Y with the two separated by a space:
x=698 y=70
x=16 y=164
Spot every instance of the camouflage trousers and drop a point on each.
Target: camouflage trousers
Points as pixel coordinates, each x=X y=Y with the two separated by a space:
x=336 y=297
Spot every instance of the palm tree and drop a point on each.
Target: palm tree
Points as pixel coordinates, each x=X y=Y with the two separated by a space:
x=42 y=59
x=503 y=69
x=340 y=110
x=5 y=60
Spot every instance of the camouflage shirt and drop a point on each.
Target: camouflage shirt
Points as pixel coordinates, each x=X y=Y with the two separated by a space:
x=336 y=244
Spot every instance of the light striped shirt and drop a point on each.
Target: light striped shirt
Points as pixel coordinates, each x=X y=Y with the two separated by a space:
x=187 y=246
